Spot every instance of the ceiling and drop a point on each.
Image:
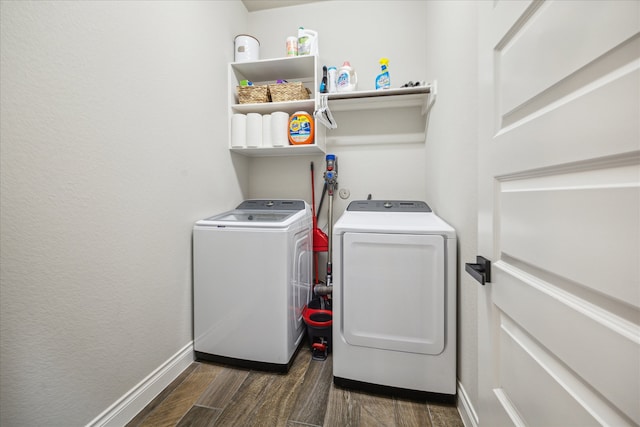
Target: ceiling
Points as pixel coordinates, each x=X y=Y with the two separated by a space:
x=253 y=5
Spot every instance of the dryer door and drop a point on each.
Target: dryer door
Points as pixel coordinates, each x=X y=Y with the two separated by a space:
x=393 y=291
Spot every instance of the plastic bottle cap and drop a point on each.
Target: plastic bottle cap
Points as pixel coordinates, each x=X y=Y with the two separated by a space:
x=346 y=64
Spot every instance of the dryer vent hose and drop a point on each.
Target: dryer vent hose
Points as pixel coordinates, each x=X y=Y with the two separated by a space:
x=322 y=290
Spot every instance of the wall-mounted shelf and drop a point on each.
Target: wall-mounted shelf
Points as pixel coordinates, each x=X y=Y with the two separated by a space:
x=371 y=102
x=379 y=106
x=268 y=71
x=421 y=96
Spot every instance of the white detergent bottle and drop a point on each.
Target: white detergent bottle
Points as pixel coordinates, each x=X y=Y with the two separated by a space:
x=307 y=42
x=347 y=79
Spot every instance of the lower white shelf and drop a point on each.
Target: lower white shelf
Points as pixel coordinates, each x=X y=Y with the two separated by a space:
x=289 y=150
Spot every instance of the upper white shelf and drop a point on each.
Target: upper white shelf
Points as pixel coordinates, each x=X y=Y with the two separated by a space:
x=288 y=68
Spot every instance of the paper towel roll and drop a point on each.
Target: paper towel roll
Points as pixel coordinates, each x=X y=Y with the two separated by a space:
x=266 y=131
x=254 y=130
x=279 y=129
x=239 y=130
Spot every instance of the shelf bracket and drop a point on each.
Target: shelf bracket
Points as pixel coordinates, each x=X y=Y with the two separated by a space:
x=433 y=93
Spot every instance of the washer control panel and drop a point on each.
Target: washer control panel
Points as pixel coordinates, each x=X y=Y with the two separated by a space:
x=275 y=205
x=388 y=206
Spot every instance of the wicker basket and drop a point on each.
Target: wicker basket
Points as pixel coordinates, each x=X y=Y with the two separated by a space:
x=253 y=94
x=294 y=91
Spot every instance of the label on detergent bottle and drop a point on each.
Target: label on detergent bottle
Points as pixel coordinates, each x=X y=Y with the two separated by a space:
x=301 y=128
x=343 y=80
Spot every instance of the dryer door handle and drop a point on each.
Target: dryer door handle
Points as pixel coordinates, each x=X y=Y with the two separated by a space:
x=481 y=270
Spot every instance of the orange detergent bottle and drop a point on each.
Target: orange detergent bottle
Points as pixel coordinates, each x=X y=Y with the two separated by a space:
x=301 y=129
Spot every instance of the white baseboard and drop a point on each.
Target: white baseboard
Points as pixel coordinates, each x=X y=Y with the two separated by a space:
x=465 y=408
x=129 y=405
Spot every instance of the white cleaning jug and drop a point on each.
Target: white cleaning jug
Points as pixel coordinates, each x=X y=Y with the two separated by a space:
x=307 y=42
x=347 y=78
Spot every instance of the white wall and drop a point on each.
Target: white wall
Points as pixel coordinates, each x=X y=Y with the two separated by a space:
x=451 y=161
x=113 y=141
x=424 y=40
x=351 y=31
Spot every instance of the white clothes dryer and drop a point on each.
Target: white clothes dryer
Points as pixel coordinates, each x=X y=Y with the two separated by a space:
x=394 y=300
x=252 y=273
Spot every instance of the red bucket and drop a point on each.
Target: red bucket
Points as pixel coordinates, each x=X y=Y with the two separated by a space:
x=319 y=322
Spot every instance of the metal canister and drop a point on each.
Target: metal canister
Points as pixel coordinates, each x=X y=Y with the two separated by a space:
x=247 y=48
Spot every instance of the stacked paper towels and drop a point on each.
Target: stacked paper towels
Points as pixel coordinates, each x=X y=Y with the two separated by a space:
x=256 y=130
x=239 y=130
x=279 y=129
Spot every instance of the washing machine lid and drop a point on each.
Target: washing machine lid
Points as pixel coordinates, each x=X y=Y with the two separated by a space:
x=259 y=213
x=255 y=216
x=392 y=216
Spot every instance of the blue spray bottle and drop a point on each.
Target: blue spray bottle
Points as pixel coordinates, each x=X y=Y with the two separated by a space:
x=383 y=81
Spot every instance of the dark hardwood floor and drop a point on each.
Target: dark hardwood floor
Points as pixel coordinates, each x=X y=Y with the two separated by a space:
x=207 y=394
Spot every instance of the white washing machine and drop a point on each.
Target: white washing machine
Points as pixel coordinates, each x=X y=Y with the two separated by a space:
x=394 y=300
x=252 y=273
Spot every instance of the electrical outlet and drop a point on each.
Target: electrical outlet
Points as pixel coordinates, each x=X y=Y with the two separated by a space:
x=344 y=193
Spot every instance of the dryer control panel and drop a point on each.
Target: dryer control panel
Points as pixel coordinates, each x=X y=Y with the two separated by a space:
x=388 y=206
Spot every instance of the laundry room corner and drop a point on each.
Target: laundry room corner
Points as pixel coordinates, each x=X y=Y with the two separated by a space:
x=368 y=165
x=451 y=165
x=431 y=41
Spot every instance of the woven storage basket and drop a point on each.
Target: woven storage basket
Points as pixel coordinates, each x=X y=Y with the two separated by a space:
x=294 y=91
x=253 y=94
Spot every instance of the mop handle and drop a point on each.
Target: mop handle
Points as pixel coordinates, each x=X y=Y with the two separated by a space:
x=313 y=195
x=331 y=179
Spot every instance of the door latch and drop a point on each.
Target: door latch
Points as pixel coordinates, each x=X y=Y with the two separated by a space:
x=481 y=270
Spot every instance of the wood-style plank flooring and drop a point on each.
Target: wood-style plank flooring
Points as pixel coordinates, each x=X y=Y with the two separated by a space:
x=207 y=394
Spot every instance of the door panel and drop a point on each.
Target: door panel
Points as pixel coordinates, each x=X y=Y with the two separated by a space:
x=573 y=400
x=545 y=217
x=393 y=291
x=578 y=127
x=551 y=46
x=559 y=213
x=594 y=347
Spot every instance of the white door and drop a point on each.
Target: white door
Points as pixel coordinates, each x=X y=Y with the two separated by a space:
x=559 y=156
